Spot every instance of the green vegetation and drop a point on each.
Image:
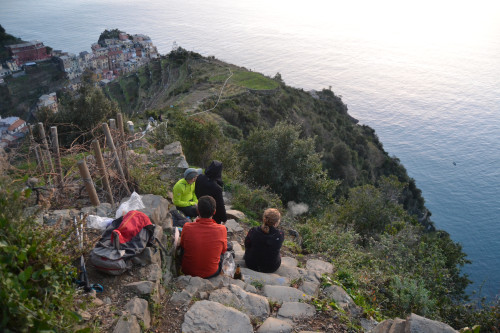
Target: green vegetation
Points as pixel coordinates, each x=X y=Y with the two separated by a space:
x=253 y=80
x=6 y=39
x=108 y=34
x=36 y=289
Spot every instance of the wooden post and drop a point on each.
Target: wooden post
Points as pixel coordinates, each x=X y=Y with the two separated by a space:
x=112 y=124
x=55 y=147
x=87 y=180
x=123 y=144
x=111 y=145
x=45 y=145
x=102 y=170
x=39 y=157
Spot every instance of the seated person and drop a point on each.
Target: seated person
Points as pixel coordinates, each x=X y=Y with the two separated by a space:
x=185 y=198
x=210 y=184
x=203 y=242
x=263 y=244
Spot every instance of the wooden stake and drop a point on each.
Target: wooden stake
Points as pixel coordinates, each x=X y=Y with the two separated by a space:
x=45 y=145
x=87 y=180
x=123 y=144
x=102 y=170
x=55 y=146
x=111 y=145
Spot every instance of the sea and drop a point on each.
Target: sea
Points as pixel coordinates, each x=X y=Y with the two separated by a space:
x=424 y=74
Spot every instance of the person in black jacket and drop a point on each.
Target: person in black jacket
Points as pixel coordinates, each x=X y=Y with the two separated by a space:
x=263 y=244
x=210 y=184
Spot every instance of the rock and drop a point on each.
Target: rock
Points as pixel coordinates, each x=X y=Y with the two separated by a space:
x=207 y=316
x=151 y=272
x=141 y=288
x=63 y=216
x=420 y=324
x=234 y=296
x=235 y=214
x=175 y=148
x=340 y=296
x=367 y=324
x=139 y=307
x=197 y=284
x=273 y=325
x=149 y=256
x=284 y=294
x=290 y=272
x=310 y=288
x=127 y=324
x=157 y=210
x=295 y=310
x=289 y=261
x=167 y=277
x=264 y=278
x=103 y=210
x=233 y=226
x=319 y=266
x=181 y=297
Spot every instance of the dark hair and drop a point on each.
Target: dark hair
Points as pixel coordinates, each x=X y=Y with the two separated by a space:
x=206 y=206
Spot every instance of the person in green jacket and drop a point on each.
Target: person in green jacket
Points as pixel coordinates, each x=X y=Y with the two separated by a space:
x=184 y=197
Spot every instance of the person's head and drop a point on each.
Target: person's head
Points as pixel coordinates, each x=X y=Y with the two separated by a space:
x=206 y=206
x=191 y=174
x=214 y=172
x=271 y=218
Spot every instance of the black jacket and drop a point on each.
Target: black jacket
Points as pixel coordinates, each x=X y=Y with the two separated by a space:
x=262 y=251
x=211 y=184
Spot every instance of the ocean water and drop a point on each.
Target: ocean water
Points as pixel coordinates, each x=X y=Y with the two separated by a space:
x=425 y=75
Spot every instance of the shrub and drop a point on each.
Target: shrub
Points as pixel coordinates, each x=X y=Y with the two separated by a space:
x=36 y=291
x=253 y=202
x=289 y=165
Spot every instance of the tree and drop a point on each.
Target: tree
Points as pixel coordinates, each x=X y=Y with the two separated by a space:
x=371 y=210
x=289 y=165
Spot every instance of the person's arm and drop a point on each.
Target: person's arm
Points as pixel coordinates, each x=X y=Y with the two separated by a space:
x=221 y=209
x=179 y=190
x=223 y=238
x=248 y=243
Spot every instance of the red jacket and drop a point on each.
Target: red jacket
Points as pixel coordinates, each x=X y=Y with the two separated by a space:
x=203 y=242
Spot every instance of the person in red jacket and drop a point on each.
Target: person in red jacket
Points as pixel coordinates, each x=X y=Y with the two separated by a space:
x=203 y=242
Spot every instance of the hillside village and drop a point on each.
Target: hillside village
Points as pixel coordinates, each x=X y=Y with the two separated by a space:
x=108 y=60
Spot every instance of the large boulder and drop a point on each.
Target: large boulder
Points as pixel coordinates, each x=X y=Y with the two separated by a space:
x=207 y=316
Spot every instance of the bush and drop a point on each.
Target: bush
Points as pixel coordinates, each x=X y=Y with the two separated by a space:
x=200 y=138
x=253 y=202
x=36 y=291
x=289 y=165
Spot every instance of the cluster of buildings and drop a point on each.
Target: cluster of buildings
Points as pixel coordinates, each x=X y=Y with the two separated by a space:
x=11 y=130
x=115 y=57
x=107 y=60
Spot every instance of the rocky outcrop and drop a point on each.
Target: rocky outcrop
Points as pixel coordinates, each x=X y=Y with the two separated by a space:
x=413 y=324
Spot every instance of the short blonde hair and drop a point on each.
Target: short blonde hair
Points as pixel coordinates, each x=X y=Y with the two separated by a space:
x=271 y=218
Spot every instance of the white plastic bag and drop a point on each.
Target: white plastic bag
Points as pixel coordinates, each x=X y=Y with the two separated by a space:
x=228 y=264
x=134 y=203
x=98 y=222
